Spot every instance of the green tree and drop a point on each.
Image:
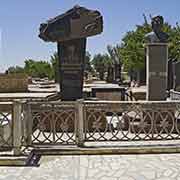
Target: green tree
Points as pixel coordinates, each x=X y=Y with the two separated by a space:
x=132 y=47
x=87 y=63
x=100 y=63
x=174 y=45
x=15 y=70
x=39 y=69
x=115 y=57
x=55 y=66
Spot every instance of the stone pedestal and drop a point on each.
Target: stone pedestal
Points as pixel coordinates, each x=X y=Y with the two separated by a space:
x=71 y=60
x=157 y=58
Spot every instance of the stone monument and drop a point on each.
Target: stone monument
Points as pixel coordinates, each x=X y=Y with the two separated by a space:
x=157 y=58
x=70 y=31
x=176 y=78
x=110 y=74
x=157 y=71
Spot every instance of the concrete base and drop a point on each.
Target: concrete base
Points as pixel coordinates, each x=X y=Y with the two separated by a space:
x=13 y=160
x=149 y=149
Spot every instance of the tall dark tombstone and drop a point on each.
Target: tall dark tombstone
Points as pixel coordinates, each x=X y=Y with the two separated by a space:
x=110 y=74
x=177 y=75
x=171 y=73
x=70 y=31
x=117 y=69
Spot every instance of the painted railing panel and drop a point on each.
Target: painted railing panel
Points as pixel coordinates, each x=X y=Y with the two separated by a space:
x=6 y=125
x=131 y=121
x=53 y=123
x=174 y=95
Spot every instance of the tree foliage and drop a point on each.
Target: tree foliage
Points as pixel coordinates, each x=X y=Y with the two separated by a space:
x=174 y=45
x=39 y=69
x=87 y=63
x=130 y=53
x=15 y=70
x=100 y=63
x=132 y=49
x=132 y=46
x=55 y=66
x=114 y=54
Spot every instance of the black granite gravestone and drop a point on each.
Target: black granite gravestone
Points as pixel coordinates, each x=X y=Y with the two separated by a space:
x=110 y=74
x=70 y=31
x=177 y=75
x=171 y=74
x=117 y=69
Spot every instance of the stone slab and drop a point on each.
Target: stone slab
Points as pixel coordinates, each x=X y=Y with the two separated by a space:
x=156 y=55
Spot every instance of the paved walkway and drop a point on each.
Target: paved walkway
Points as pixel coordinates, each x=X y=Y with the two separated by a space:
x=114 y=167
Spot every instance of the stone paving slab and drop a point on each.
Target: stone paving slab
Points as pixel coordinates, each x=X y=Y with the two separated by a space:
x=114 y=167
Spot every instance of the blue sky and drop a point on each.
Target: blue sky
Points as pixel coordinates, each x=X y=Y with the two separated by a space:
x=20 y=20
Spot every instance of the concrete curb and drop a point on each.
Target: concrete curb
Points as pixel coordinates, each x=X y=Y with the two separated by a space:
x=13 y=160
x=108 y=151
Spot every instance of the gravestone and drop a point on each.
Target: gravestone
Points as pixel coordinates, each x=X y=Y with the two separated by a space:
x=157 y=63
x=110 y=74
x=70 y=31
x=156 y=56
x=117 y=69
x=177 y=76
x=170 y=75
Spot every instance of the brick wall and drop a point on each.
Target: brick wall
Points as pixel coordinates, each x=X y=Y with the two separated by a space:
x=13 y=83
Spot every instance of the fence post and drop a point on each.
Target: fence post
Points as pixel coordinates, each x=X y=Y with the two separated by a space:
x=80 y=124
x=17 y=127
x=29 y=125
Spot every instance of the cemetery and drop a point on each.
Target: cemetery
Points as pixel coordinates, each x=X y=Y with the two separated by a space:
x=79 y=112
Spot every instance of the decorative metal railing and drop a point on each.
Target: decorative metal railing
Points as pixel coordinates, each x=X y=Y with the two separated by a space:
x=131 y=121
x=6 y=125
x=52 y=123
x=74 y=123
x=174 y=95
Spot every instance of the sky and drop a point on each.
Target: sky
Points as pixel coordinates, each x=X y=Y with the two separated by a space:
x=20 y=21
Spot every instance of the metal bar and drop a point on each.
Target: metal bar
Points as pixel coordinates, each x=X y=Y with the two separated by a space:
x=17 y=127
x=80 y=122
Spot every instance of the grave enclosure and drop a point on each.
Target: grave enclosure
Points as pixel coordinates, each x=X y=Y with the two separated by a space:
x=74 y=121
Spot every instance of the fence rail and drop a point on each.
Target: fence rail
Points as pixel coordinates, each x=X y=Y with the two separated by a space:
x=6 y=125
x=74 y=123
x=52 y=123
x=174 y=95
x=131 y=121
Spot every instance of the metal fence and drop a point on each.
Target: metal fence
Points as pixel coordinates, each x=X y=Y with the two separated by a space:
x=174 y=95
x=75 y=123
x=131 y=121
x=6 y=125
x=51 y=123
x=11 y=121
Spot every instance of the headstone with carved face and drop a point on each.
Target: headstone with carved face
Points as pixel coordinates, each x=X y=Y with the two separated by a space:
x=70 y=31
